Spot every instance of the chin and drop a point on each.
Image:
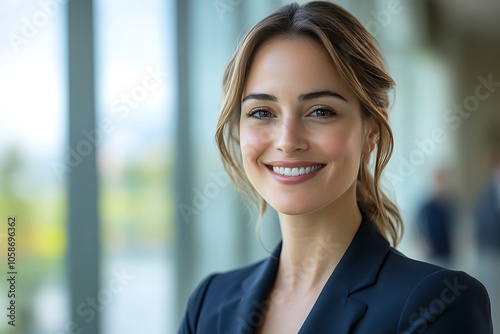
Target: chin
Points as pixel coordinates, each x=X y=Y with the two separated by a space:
x=296 y=208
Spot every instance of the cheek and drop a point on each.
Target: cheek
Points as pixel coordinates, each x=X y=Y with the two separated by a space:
x=343 y=143
x=253 y=142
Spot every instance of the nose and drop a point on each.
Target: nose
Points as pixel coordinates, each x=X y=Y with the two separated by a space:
x=290 y=136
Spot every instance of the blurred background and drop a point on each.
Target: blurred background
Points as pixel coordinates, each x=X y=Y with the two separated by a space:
x=108 y=163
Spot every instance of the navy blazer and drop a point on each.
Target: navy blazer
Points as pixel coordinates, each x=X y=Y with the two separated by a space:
x=373 y=289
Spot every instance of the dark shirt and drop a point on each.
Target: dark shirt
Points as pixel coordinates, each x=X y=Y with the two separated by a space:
x=488 y=219
x=435 y=222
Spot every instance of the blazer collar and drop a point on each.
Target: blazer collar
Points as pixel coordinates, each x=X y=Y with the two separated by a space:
x=334 y=309
x=243 y=315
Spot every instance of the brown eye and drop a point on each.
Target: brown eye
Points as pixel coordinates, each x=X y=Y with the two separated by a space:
x=323 y=112
x=260 y=114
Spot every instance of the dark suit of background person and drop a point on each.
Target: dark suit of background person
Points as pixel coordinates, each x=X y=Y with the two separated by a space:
x=488 y=217
x=435 y=221
x=374 y=289
x=487 y=214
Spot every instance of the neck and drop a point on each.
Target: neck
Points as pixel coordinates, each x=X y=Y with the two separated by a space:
x=313 y=244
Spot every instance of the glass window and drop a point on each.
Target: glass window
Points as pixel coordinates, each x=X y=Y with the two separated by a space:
x=32 y=153
x=134 y=87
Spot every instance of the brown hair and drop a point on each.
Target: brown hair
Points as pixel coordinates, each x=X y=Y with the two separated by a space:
x=357 y=59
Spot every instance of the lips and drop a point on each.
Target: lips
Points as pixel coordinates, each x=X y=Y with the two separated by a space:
x=296 y=171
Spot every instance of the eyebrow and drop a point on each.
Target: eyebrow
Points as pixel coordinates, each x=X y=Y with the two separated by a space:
x=302 y=97
x=322 y=93
x=260 y=97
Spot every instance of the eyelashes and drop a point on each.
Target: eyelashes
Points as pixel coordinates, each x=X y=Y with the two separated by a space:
x=260 y=113
x=323 y=112
x=318 y=112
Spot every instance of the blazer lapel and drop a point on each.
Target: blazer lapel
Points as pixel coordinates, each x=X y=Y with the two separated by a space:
x=336 y=311
x=243 y=315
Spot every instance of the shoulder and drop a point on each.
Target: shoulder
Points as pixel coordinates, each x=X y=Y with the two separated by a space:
x=447 y=301
x=229 y=284
x=438 y=300
x=227 y=280
x=192 y=314
x=213 y=290
x=218 y=284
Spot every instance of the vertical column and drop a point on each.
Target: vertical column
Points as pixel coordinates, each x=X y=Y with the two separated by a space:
x=83 y=224
x=185 y=245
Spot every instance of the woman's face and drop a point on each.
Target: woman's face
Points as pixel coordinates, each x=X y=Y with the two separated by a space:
x=301 y=128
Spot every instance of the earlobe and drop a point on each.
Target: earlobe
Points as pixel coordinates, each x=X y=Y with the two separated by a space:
x=369 y=147
x=373 y=133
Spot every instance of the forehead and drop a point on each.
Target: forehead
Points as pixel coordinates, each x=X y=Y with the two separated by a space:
x=295 y=65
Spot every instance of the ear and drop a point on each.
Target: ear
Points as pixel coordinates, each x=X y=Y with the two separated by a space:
x=372 y=134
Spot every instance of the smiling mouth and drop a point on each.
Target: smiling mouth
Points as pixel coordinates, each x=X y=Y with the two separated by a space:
x=295 y=171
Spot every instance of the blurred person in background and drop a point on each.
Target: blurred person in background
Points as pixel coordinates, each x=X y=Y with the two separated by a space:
x=435 y=221
x=305 y=108
x=488 y=210
x=487 y=215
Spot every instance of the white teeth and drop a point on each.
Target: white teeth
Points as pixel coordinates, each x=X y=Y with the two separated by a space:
x=296 y=171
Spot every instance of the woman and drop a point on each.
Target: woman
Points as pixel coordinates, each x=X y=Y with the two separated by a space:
x=306 y=97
